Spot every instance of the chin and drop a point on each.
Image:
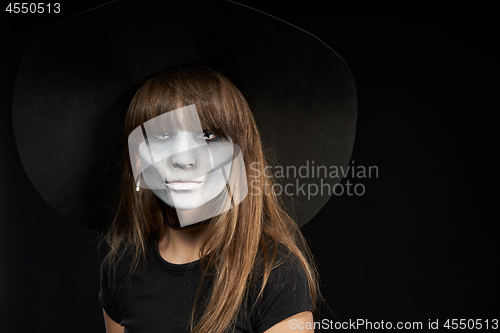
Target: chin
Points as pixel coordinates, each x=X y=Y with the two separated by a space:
x=181 y=204
x=185 y=204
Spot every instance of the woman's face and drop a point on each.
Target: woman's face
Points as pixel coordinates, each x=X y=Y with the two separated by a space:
x=182 y=164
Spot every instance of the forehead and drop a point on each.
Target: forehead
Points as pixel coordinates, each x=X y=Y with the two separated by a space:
x=181 y=119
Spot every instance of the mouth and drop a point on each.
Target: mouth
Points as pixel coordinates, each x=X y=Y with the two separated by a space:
x=184 y=185
x=183 y=182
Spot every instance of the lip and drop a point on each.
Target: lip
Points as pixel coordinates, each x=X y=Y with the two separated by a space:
x=184 y=185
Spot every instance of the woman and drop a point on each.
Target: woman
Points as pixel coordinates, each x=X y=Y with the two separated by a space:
x=192 y=255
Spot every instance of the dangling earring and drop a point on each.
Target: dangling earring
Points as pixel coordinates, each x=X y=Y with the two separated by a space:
x=138 y=183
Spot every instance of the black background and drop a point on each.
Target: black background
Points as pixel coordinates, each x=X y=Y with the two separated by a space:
x=420 y=244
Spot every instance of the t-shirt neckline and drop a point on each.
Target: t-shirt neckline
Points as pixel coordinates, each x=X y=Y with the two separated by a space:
x=174 y=267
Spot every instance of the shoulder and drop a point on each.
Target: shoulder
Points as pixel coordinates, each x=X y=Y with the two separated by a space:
x=118 y=267
x=113 y=274
x=285 y=293
x=114 y=271
x=117 y=273
x=284 y=267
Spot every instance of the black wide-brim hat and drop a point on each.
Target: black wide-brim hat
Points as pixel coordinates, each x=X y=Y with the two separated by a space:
x=76 y=81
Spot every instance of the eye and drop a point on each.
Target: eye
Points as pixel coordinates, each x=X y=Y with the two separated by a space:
x=162 y=136
x=207 y=135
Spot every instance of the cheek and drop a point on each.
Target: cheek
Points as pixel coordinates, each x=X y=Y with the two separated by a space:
x=143 y=154
x=221 y=154
x=161 y=152
x=216 y=181
x=153 y=179
x=157 y=151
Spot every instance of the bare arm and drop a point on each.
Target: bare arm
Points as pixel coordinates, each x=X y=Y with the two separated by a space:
x=111 y=325
x=299 y=323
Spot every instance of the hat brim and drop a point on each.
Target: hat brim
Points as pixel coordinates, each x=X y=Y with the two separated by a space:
x=76 y=80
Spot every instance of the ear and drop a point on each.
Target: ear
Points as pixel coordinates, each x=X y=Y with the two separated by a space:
x=138 y=164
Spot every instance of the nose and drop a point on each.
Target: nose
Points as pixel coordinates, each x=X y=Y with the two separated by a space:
x=184 y=160
x=185 y=156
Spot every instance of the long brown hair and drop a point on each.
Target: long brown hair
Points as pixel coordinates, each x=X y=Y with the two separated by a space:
x=235 y=242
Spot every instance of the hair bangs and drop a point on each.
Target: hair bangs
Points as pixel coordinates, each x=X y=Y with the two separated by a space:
x=171 y=91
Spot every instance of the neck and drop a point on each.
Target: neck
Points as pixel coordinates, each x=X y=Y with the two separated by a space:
x=180 y=245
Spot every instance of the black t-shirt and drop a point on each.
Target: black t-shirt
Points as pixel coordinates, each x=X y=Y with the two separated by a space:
x=159 y=297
